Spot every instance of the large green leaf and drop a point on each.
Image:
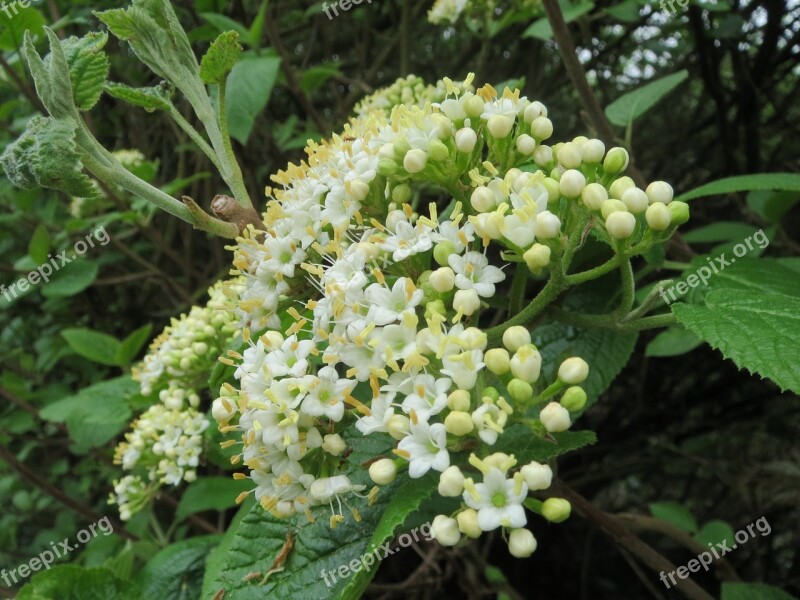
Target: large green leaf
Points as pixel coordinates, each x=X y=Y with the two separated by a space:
x=525 y=446
x=210 y=493
x=71 y=279
x=721 y=231
x=176 y=572
x=753 y=591
x=96 y=346
x=541 y=29
x=674 y=514
x=248 y=90
x=70 y=582
x=14 y=25
x=757 y=331
x=744 y=183
x=633 y=105
x=95 y=414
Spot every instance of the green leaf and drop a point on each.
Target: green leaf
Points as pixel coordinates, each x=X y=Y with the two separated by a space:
x=673 y=342
x=314 y=78
x=627 y=12
x=525 y=446
x=223 y=23
x=675 y=514
x=131 y=345
x=70 y=582
x=758 y=332
x=218 y=557
x=248 y=90
x=45 y=155
x=753 y=591
x=631 y=106
x=541 y=29
x=88 y=67
x=721 y=231
x=771 y=205
x=39 y=244
x=149 y=98
x=13 y=26
x=176 y=572
x=72 y=279
x=759 y=276
x=744 y=183
x=220 y=58
x=257 y=26
x=405 y=501
x=96 y=414
x=94 y=345
x=210 y=493
x=714 y=532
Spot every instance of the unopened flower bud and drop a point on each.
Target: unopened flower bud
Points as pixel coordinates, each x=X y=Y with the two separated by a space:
x=556 y=510
x=543 y=156
x=555 y=418
x=458 y=423
x=358 y=190
x=592 y=151
x=537 y=476
x=569 y=155
x=520 y=391
x=610 y=206
x=680 y=212
x=442 y=279
x=437 y=151
x=393 y=218
x=537 y=257
x=541 y=128
x=468 y=523
x=516 y=337
x=466 y=302
x=497 y=361
x=451 y=482
x=659 y=191
x=415 y=160
x=445 y=530
x=398 y=426
x=616 y=161
x=222 y=409
x=473 y=105
x=458 y=400
x=500 y=126
x=488 y=225
x=442 y=252
x=553 y=191
x=593 y=196
x=635 y=199
x=466 y=138
x=401 y=193
x=574 y=399
x=521 y=543
x=525 y=144
x=548 y=225
x=619 y=187
x=387 y=167
x=658 y=216
x=571 y=183
x=620 y=225
x=482 y=199
x=383 y=471
x=333 y=444
x=573 y=370
x=526 y=363
x=533 y=111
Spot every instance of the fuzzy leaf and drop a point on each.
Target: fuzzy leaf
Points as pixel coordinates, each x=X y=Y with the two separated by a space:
x=88 y=67
x=220 y=58
x=149 y=98
x=70 y=582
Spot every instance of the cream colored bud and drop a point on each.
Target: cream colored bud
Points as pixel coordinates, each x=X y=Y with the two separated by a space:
x=466 y=138
x=537 y=476
x=521 y=543
x=451 y=482
x=499 y=126
x=555 y=418
x=442 y=279
x=569 y=155
x=468 y=523
x=399 y=426
x=593 y=196
x=497 y=361
x=445 y=530
x=573 y=370
x=592 y=151
x=658 y=216
x=548 y=226
x=333 y=444
x=482 y=199
x=617 y=189
x=537 y=257
x=526 y=364
x=556 y=510
x=541 y=128
x=383 y=471
x=533 y=111
x=459 y=400
x=458 y=423
x=571 y=183
x=466 y=302
x=620 y=225
x=635 y=199
x=659 y=191
x=543 y=156
x=415 y=160
x=515 y=337
x=610 y=206
x=525 y=144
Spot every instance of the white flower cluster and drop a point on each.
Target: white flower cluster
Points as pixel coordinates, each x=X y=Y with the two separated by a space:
x=387 y=337
x=409 y=91
x=446 y=11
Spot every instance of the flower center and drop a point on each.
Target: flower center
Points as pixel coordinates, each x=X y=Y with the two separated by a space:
x=499 y=500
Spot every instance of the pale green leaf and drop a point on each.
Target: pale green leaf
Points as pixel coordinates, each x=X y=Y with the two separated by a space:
x=149 y=98
x=13 y=26
x=541 y=29
x=220 y=58
x=39 y=244
x=631 y=106
x=71 y=279
x=772 y=205
x=745 y=183
x=721 y=231
x=210 y=493
x=88 y=67
x=674 y=514
x=248 y=90
x=96 y=346
x=673 y=342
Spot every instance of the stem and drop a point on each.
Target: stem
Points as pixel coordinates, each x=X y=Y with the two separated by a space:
x=608 y=321
x=628 y=287
x=548 y=293
x=649 y=302
x=195 y=136
x=518 y=288
x=593 y=273
x=237 y=182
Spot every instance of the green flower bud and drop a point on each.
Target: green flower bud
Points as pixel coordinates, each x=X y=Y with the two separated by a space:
x=442 y=251
x=438 y=151
x=401 y=193
x=520 y=391
x=574 y=399
x=612 y=206
x=490 y=392
x=680 y=212
x=556 y=510
x=387 y=167
x=620 y=186
x=616 y=161
x=658 y=216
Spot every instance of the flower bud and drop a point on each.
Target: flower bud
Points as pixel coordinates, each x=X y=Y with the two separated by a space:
x=620 y=225
x=571 y=183
x=497 y=361
x=659 y=191
x=458 y=423
x=458 y=400
x=541 y=128
x=569 y=155
x=573 y=370
x=556 y=510
x=451 y=482
x=537 y=257
x=553 y=191
x=616 y=161
x=525 y=144
x=592 y=151
x=593 y=196
x=482 y=199
x=537 y=476
x=393 y=218
x=473 y=105
x=555 y=418
x=547 y=225
x=466 y=138
x=358 y=190
x=543 y=156
x=520 y=391
x=442 y=279
x=521 y=543
x=401 y=193
x=500 y=126
x=445 y=530
x=435 y=307
x=468 y=523
x=526 y=363
x=383 y=471
x=618 y=188
x=488 y=225
x=658 y=216
x=399 y=426
x=516 y=337
x=635 y=199
x=387 y=167
x=438 y=151
x=415 y=160
x=680 y=212
x=610 y=206
x=533 y=111
x=466 y=302
x=491 y=393
x=442 y=252
x=333 y=444
x=574 y=399
x=222 y=409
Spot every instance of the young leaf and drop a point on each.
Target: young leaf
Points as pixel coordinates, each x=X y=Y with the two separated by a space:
x=210 y=493
x=673 y=342
x=176 y=572
x=248 y=91
x=675 y=514
x=70 y=582
x=45 y=155
x=94 y=345
x=220 y=58
x=149 y=98
x=753 y=591
x=88 y=67
x=131 y=345
x=39 y=244
x=745 y=183
x=631 y=106
x=71 y=279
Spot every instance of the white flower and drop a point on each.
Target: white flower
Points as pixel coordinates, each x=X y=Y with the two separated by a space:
x=326 y=395
x=381 y=412
x=425 y=446
x=290 y=358
x=429 y=396
x=387 y=306
x=498 y=500
x=474 y=272
x=407 y=240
